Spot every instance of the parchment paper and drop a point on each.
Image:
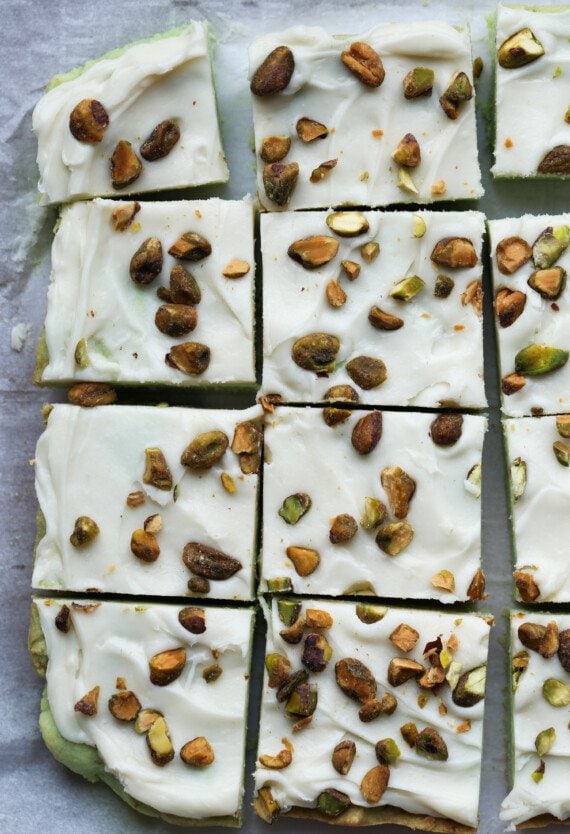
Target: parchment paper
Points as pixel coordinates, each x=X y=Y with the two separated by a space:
x=38 y=40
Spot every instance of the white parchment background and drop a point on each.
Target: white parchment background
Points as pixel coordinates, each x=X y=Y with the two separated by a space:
x=37 y=40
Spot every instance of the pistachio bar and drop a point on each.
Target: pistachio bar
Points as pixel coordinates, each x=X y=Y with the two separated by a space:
x=148 y=500
x=540 y=741
x=387 y=116
x=385 y=504
x=151 y=293
x=389 y=303
x=532 y=107
x=372 y=715
x=530 y=258
x=149 y=699
x=538 y=457
x=140 y=119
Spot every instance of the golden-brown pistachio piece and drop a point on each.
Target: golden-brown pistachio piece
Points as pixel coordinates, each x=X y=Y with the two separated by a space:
x=124 y=214
x=399 y=487
x=563 y=425
x=404 y=637
x=335 y=294
x=165 y=667
x=444 y=580
x=124 y=706
x=184 y=288
x=418 y=82
x=85 y=530
x=512 y=383
x=374 y=783
x=126 y=167
x=474 y=295
x=402 y=669
x=367 y=432
x=197 y=753
x=274 y=73
x=147 y=262
x=430 y=744
x=176 y=319
x=191 y=358
x=478 y=67
x=266 y=806
x=365 y=63
x=247 y=438
x=193 y=619
x=161 y=140
x=279 y=181
x=198 y=585
x=88 y=704
x=355 y=679
x=454 y=252
x=564 y=649
x=293 y=634
x=275 y=148
x=145 y=546
x=343 y=529
x=509 y=305
x=208 y=562
x=408 y=152
x=343 y=756
x=526 y=586
x=313 y=252
x=520 y=49
x=145 y=719
x=511 y=254
x=367 y=371
x=236 y=269
x=369 y=251
x=443 y=286
x=91 y=394
x=190 y=246
x=316 y=618
x=446 y=429
x=394 y=538
x=346 y=393
x=305 y=560
x=556 y=161
x=548 y=283
x=308 y=129
x=323 y=170
x=88 y=121
x=374 y=708
x=347 y=223
x=334 y=416
x=409 y=733
x=384 y=321
x=316 y=653
x=316 y=352
x=351 y=269
x=476 y=589
x=156 y=470
x=278 y=669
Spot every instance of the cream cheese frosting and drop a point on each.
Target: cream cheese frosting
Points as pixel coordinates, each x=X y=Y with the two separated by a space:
x=366 y=124
x=92 y=297
x=541 y=516
x=89 y=460
x=435 y=359
x=118 y=640
x=140 y=86
x=532 y=714
x=447 y=789
x=541 y=322
x=531 y=101
x=304 y=455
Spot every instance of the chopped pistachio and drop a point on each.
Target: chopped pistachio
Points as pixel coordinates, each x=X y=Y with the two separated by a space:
x=403 y=669
x=126 y=167
x=81 y=354
x=374 y=783
x=63 y=619
x=366 y=433
x=278 y=669
x=161 y=141
x=430 y=744
x=228 y=483
x=191 y=358
x=443 y=286
x=394 y=538
x=279 y=181
x=153 y=523
x=563 y=425
x=305 y=560
x=294 y=507
x=375 y=707
x=518 y=472
x=556 y=161
x=526 y=586
x=408 y=153
x=165 y=667
x=478 y=67
x=364 y=62
x=367 y=372
x=343 y=529
x=374 y=513
x=370 y=614
x=198 y=752
x=159 y=743
x=317 y=618
x=343 y=756
x=275 y=148
x=156 y=470
x=532 y=635
x=520 y=49
x=303 y=700
x=198 y=585
x=556 y=692
x=544 y=741
x=355 y=679
x=455 y=253
x=387 y=751
x=538 y=774
x=145 y=719
x=407 y=288
x=404 y=637
x=550 y=245
x=91 y=394
x=562 y=452
x=236 y=269
x=212 y=672
x=474 y=295
x=205 y=450
x=289 y=685
x=444 y=580
x=316 y=352
x=190 y=246
x=351 y=269
x=476 y=589
x=419 y=226
x=288 y=610
x=446 y=429
x=266 y=806
x=470 y=688
x=88 y=704
x=406 y=183
x=509 y=305
x=208 y=562
x=332 y=803
x=281 y=760
x=400 y=489
x=335 y=294
x=409 y=733
x=124 y=706
x=512 y=383
x=308 y=129
x=144 y=545
x=85 y=530
x=564 y=649
x=316 y=653
x=473 y=480
x=88 y=121
x=369 y=251
x=418 y=82
x=548 y=283
x=323 y=170
x=511 y=254
x=519 y=665
x=280 y=585
x=347 y=223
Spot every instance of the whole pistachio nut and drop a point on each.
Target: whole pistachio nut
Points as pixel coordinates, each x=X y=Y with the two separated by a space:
x=365 y=63
x=511 y=254
x=156 y=470
x=147 y=262
x=387 y=751
x=198 y=585
x=531 y=635
x=526 y=586
x=347 y=223
x=454 y=252
x=208 y=562
x=509 y=305
x=126 y=167
x=430 y=745
x=549 y=283
x=81 y=354
x=367 y=372
x=279 y=181
x=563 y=425
x=519 y=49
x=443 y=286
x=308 y=129
x=544 y=741
x=91 y=394
x=176 y=319
x=344 y=393
x=87 y=705
x=418 y=82
x=212 y=672
x=550 y=245
x=332 y=803
x=367 y=432
x=374 y=783
x=88 y=121
x=335 y=294
x=409 y=733
x=446 y=429
x=316 y=352
x=343 y=756
x=294 y=507
x=190 y=246
x=536 y=359
x=124 y=706
x=165 y=667
x=395 y=537
x=561 y=452
x=381 y=320
x=274 y=73
x=399 y=487
x=564 y=649
x=343 y=529
x=313 y=252
x=407 y=288
x=556 y=161
x=191 y=358
x=159 y=743
x=85 y=530
x=556 y=692
x=316 y=653
x=369 y=614
x=145 y=546
x=355 y=679
x=161 y=141
x=198 y=752
x=470 y=688
x=408 y=152
x=184 y=288
x=317 y=618
x=275 y=148
x=289 y=611
x=205 y=450
x=305 y=560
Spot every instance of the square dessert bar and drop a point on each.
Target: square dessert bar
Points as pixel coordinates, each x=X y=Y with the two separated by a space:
x=532 y=107
x=149 y=699
x=387 y=302
x=540 y=741
x=538 y=456
x=530 y=260
x=372 y=715
x=148 y=500
x=140 y=119
x=387 y=116
x=380 y=504
x=151 y=293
